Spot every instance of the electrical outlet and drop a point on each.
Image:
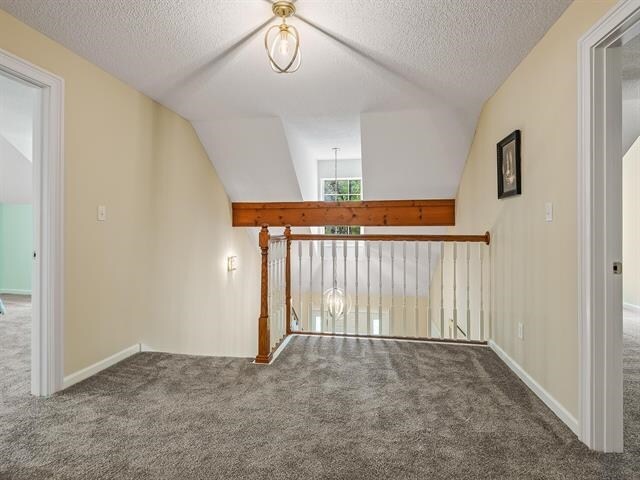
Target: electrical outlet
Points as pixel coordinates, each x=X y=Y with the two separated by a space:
x=102 y=213
x=520 y=330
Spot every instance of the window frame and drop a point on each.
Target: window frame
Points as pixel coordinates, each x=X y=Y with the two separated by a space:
x=323 y=181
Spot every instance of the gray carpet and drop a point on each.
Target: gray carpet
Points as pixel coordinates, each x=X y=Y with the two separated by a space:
x=328 y=408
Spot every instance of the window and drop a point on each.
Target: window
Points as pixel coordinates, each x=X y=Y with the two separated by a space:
x=349 y=189
x=345 y=190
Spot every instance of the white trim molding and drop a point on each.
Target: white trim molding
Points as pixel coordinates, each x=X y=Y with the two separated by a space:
x=555 y=406
x=599 y=165
x=48 y=206
x=97 y=367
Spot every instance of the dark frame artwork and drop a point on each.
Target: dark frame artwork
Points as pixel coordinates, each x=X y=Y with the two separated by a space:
x=509 y=180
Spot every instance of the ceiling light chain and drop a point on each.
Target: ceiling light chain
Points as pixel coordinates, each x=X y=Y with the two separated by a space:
x=282 y=42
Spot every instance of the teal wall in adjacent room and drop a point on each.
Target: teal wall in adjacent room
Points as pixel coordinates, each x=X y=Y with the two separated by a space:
x=16 y=248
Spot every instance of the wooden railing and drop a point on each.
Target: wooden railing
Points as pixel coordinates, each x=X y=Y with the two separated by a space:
x=449 y=274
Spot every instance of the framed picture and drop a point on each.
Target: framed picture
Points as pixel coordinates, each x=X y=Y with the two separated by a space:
x=509 y=181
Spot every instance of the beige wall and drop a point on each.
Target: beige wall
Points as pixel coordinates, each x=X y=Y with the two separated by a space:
x=631 y=224
x=534 y=263
x=154 y=271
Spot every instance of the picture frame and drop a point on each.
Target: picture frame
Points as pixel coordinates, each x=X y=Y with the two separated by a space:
x=509 y=166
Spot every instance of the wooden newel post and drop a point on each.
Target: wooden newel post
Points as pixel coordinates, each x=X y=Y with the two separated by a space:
x=264 y=334
x=287 y=233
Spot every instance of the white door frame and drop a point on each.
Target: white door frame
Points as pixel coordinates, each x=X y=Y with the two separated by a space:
x=48 y=201
x=600 y=226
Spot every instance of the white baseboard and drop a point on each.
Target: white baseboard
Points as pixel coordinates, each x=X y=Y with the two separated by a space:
x=632 y=307
x=91 y=370
x=545 y=396
x=10 y=291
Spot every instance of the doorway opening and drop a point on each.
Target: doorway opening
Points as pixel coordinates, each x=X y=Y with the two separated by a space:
x=631 y=242
x=20 y=111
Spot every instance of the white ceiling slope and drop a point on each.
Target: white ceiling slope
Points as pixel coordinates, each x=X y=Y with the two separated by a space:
x=251 y=158
x=405 y=154
x=205 y=59
x=15 y=174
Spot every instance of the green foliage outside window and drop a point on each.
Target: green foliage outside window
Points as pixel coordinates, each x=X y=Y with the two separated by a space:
x=346 y=190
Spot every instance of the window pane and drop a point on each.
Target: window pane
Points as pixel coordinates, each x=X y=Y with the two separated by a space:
x=329 y=230
x=354 y=187
x=355 y=231
x=343 y=186
x=329 y=186
x=344 y=198
x=329 y=198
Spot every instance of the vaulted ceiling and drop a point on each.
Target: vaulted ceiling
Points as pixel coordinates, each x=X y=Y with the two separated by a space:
x=398 y=83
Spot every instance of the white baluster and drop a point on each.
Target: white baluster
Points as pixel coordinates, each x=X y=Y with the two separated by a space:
x=391 y=322
x=468 y=245
x=334 y=284
x=417 y=278
x=367 y=245
x=490 y=288
x=274 y=291
x=429 y=289
x=455 y=290
x=357 y=306
x=271 y=297
x=481 y=256
x=404 y=290
x=283 y=302
x=380 y=288
x=310 y=316
x=345 y=312
x=441 y=289
x=323 y=327
x=299 y=285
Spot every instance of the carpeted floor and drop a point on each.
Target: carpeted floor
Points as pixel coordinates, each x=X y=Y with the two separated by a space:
x=328 y=408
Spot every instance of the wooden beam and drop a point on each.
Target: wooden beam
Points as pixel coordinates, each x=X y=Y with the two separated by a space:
x=378 y=213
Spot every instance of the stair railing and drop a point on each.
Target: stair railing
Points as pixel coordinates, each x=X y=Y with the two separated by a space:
x=419 y=287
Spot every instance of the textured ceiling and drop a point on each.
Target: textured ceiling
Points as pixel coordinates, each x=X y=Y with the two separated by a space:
x=205 y=59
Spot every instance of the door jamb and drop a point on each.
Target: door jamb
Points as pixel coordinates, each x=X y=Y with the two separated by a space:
x=47 y=367
x=600 y=342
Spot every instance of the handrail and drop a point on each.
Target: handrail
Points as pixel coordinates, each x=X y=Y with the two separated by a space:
x=486 y=238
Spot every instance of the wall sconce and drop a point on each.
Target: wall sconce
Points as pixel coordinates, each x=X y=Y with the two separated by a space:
x=232 y=263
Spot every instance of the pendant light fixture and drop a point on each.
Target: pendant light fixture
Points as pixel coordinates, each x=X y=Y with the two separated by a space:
x=336 y=299
x=282 y=42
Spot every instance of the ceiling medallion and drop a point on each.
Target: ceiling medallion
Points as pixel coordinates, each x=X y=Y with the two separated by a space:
x=282 y=42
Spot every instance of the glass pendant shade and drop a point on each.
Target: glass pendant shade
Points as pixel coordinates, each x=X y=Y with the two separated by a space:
x=282 y=43
x=337 y=302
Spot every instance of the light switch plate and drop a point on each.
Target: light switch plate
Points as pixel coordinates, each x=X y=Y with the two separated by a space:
x=102 y=213
x=548 y=212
